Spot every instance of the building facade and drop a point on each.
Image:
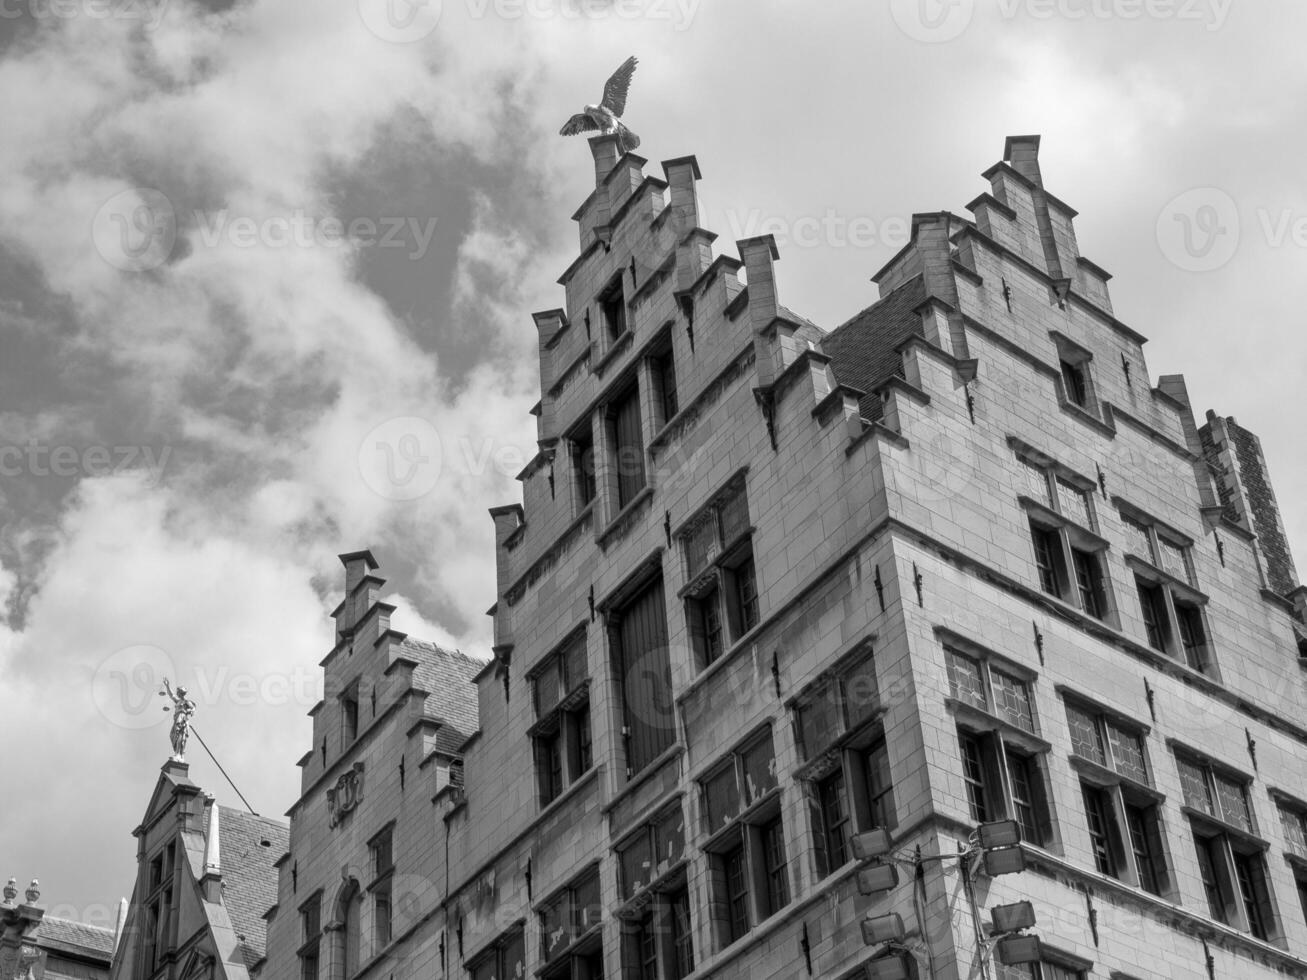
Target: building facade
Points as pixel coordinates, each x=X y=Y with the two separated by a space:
x=957 y=563
x=204 y=880
x=36 y=946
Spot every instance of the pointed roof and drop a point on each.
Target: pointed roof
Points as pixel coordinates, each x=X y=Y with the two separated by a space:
x=863 y=350
x=250 y=846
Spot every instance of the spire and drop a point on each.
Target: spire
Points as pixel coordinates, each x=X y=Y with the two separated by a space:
x=119 y=923
x=212 y=852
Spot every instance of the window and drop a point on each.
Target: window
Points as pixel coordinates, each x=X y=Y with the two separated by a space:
x=638 y=637
x=583 y=467
x=504 y=960
x=1002 y=772
x=721 y=597
x=847 y=765
x=747 y=854
x=349 y=717
x=657 y=940
x=654 y=851
x=1077 y=382
x=1231 y=860
x=561 y=734
x=383 y=868
x=627 y=442
x=1122 y=813
x=1067 y=550
x=1170 y=605
x=1162 y=548
x=1293 y=817
x=978 y=684
x=310 y=936
x=157 y=935
x=1038 y=971
x=658 y=943
x=663 y=373
x=570 y=922
x=612 y=309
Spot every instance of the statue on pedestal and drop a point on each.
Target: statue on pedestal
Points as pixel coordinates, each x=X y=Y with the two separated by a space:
x=182 y=709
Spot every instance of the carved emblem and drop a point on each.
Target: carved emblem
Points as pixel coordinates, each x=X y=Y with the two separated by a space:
x=345 y=795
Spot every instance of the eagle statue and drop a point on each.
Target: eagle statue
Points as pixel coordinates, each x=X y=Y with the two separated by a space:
x=604 y=117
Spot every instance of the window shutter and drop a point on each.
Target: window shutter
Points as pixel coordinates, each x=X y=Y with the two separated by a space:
x=646 y=676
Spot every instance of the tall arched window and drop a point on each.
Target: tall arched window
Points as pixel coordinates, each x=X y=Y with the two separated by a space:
x=349 y=904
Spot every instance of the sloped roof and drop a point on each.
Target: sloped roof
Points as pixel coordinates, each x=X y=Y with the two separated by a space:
x=862 y=350
x=75 y=937
x=452 y=695
x=249 y=880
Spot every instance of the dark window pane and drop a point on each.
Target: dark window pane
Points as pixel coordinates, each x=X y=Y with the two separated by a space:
x=759 y=769
x=860 y=694
x=1075 y=384
x=819 y=720
x=745 y=595
x=736 y=893
x=628 y=445
x=880 y=790
x=682 y=963
x=1025 y=801
x=706 y=626
x=645 y=673
x=973 y=774
x=1153 y=605
x=1089 y=580
x=1253 y=893
x=721 y=797
x=1189 y=622
x=669 y=840
x=587 y=910
x=775 y=866
x=1048 y=558
x=835 y=826
x=583 y=465
x=612 y=307
x=1145 y=841
x=636 y=863
x=665 y=376
x=1098 y=815
x=1209 y=856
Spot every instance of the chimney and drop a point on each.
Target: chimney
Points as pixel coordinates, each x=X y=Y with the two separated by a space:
x=604 y=150
x=359 y=565
x=211 y=878
x=694 y=255
x=930 y=236
x=1022 y=152
x=758 y=255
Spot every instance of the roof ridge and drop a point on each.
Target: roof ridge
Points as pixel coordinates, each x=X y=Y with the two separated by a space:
x=903 y=285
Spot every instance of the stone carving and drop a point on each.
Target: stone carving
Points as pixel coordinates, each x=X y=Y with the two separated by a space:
x=18 y=927
x=603 y=118
x=182 y=709
x=345 y=795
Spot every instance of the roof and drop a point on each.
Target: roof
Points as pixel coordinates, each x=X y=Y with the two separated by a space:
x=447 y=677
x=75 y=937
x=249 y=878
x=863 y=350
x=807 y=329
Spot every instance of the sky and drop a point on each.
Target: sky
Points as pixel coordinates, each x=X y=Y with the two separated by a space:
x=267 y=270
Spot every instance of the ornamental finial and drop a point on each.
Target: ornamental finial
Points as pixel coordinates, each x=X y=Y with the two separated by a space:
x=11 y=891
x=33 y=892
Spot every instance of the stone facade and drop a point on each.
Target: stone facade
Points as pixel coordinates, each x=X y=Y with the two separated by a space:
x=957 y=561
x=36 y=946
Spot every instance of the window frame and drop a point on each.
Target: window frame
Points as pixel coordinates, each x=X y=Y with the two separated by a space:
x=582 y=938
x=1069 y=554
x=722 y=584
x=381 y=855
x=740 y=842
x=497 y=953
x=563 y=729
x=310 y=948
x=991 y=745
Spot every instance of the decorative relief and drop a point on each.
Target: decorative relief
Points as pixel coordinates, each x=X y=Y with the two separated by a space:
x=345 y=795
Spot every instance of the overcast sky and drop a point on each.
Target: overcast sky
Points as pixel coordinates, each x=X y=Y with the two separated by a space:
x=198 y=369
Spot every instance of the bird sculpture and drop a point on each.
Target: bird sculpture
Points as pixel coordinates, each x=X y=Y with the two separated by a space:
x=604 y=117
